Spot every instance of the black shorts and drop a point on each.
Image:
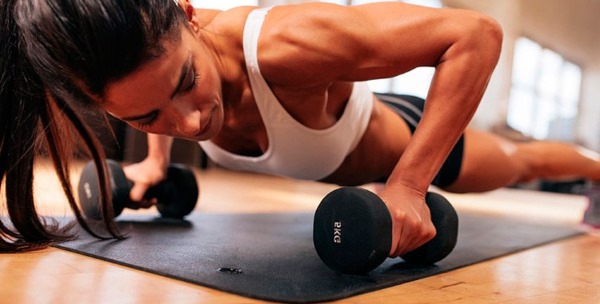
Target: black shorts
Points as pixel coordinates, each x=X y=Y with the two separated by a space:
x=410 y=108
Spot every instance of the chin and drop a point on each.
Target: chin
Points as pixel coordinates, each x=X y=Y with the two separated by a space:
x=213 y=129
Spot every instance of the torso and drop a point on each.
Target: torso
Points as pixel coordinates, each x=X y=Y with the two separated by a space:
x=244 y=132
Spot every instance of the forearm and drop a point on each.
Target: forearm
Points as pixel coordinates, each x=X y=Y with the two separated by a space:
x=457 y=88
x=159 y=148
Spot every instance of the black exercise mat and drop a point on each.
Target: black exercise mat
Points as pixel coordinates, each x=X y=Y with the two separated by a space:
x=271 y=256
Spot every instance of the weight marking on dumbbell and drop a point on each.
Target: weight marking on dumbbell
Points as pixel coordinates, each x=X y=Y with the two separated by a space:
x=88 y=191
x=230 y=270
x=337 y=232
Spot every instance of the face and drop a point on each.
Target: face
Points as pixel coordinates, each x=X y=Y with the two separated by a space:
x=178 y=94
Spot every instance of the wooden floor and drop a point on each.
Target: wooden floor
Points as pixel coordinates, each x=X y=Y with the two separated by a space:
x=562 y=272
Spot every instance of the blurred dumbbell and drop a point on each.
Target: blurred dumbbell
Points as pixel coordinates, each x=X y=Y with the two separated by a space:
x=176 y=196
x=352 y=231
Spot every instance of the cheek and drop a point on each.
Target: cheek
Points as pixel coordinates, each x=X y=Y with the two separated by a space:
x=204 y=98
x=210 y=84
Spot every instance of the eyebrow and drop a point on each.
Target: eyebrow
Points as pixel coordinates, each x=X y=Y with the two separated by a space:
x=182 y=74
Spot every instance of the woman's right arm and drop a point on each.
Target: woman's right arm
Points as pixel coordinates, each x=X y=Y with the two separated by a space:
x=151 y=170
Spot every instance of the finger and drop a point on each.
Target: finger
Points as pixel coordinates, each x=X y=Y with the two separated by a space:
x=143 y=204
x=397 y=227
x=129 y=171
x=147 y=203
x=428 y=230
x=402 y=234
x=406 y=240
x=137 y=192
x=412 y=233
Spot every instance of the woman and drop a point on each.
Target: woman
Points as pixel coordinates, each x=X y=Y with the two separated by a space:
x=277 y=91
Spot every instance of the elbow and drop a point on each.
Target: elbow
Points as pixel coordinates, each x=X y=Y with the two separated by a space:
x=484 y=36
x=492 y=34
x=476 y=38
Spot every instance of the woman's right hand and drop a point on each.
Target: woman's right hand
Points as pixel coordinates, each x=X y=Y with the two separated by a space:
x=144 y=175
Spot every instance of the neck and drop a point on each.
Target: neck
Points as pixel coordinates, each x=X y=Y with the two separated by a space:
x=228 y=57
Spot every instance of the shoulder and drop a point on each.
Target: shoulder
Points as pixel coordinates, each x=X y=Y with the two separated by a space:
x=307 y=42
x=313 y=41
x=321 y=42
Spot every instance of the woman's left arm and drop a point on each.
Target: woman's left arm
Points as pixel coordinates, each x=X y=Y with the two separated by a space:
x=355 y=43
x=464 y=48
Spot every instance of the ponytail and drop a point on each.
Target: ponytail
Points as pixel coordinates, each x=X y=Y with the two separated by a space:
x=57 y=59
x=27 y=118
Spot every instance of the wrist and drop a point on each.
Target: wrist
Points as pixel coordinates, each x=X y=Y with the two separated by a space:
x=158 y=160
x=417 y=183
x=159 y=149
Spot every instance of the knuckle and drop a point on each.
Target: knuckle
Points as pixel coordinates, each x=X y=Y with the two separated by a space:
x=430 y=233
x=399 y=216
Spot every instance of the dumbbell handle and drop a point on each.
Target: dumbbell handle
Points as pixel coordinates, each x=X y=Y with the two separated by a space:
x=179 y=184
x=176 y=195
x=158 y=191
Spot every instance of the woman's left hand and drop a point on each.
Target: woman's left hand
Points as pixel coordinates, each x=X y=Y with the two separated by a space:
x=411 y=218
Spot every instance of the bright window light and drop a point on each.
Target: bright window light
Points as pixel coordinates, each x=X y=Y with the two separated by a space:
x=544 y=97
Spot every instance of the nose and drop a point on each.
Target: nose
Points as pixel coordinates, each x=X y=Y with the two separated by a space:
x=187 y=119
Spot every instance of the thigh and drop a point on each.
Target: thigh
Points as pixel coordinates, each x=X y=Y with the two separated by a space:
x=488 y=163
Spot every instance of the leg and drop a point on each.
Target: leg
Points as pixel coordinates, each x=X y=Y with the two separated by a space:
x=559 y=161
x=491 y=162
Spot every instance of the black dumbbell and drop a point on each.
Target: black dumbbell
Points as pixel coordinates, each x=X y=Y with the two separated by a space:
x=352 y=231
x=176 y=195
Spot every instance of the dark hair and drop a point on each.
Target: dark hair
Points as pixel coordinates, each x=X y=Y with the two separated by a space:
x=58 y=56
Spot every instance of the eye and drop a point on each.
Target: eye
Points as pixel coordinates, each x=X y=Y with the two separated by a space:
x=146 y=125
x=194 y=81
x=149 y=122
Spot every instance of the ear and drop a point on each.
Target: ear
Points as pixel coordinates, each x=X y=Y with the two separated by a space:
x=190 y=12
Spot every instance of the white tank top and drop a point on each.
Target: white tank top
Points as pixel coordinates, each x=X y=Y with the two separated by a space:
x=294 y=150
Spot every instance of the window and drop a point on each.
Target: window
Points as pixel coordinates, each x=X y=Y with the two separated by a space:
x=544 y=97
